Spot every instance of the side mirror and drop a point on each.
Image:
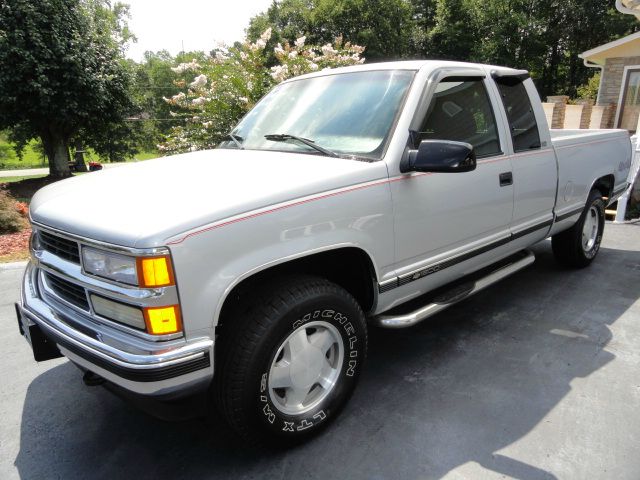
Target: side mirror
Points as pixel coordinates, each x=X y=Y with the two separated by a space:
x=440 y=156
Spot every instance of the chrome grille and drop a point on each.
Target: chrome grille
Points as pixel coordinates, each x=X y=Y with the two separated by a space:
x=60 y=246
x=68 y=291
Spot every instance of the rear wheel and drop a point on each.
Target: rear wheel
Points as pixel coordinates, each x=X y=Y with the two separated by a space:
x=292 y=361
x=579 y=245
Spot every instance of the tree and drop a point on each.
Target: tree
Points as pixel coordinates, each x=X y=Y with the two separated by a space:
x=542 y=36
x=61 y=71
x=385 y=27
x=154 y=80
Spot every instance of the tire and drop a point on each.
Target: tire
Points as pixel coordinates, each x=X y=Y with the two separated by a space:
x=579 y=245
x=265 y=365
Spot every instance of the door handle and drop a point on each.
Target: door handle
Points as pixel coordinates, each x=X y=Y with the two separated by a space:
x=506 y=178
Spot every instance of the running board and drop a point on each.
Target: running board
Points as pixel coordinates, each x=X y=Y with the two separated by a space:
x=455 y=294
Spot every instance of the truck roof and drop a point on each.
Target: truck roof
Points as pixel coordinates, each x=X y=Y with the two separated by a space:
x=400 y=65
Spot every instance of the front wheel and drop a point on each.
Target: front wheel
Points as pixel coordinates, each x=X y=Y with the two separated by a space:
x=293 y=360
x=579 y=245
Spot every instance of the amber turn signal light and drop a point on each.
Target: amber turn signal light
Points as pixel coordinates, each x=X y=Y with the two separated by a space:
x=163 y=320
x=155 y=272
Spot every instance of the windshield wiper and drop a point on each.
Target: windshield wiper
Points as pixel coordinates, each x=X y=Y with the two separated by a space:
x=237 y=139
x=283 y=137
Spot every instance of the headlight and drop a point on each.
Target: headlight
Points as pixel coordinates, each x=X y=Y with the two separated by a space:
x=146 y=272
x=110 y=265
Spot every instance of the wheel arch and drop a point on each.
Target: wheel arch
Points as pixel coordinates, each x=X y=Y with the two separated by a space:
x=604 y=185
x=349 y=266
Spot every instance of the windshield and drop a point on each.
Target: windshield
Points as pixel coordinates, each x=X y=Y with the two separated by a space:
x=346 y=114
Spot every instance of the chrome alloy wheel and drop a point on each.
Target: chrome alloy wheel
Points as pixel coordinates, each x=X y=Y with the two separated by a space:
x=590 y=228
x=306 y=367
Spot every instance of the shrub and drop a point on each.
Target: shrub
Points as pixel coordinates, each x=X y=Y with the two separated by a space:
x=590 y=89
x=10 y=219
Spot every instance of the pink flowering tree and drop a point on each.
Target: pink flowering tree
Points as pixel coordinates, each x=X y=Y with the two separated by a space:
x=217 y=92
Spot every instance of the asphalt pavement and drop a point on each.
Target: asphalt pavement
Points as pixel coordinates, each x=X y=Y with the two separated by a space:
x=537 y=377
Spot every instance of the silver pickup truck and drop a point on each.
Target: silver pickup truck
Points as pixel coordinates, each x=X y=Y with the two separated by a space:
x=251 y=272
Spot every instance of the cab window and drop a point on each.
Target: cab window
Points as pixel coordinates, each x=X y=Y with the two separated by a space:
x=460 y=110
x=522 y=120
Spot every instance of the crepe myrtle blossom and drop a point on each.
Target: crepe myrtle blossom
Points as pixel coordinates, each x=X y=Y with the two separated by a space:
x=280 y=73
x=199 y=81
x=223 y=87
x=328 y=50
x=266 y=35
x=183 y=67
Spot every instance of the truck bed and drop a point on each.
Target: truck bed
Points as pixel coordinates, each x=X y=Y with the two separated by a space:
x=561 y=137
x=608 y=151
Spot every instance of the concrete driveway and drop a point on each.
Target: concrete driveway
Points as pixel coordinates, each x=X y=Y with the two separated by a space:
x=537 y=377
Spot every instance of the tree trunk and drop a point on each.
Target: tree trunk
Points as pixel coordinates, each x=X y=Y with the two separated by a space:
x=79 y=157
x=57 y=150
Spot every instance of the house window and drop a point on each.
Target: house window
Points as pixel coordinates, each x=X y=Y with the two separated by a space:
x=630 y=102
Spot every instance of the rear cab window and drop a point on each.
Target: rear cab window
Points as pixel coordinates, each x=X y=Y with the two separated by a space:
x=520 y=114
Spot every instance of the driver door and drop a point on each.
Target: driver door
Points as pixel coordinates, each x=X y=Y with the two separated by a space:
x=443 y=219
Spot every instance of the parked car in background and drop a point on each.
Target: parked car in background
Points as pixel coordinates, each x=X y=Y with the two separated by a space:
x=252 y=272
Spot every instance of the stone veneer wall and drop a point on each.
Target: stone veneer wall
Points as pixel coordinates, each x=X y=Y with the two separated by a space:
x=612 y=78
x=612 y=74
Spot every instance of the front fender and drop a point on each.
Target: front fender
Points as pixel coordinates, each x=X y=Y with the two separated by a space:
x=210 y=263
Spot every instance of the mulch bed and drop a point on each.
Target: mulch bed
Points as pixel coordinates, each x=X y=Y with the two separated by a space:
x=15 y=246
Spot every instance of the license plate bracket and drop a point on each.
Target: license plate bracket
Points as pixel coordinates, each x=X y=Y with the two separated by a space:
x=42 y=347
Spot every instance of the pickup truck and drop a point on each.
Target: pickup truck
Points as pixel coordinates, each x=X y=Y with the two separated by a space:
x=374 y=195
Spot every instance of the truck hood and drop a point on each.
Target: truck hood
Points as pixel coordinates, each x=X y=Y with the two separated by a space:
x=143 y=204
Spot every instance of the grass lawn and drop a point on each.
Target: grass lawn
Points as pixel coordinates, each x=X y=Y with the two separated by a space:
x=18 y=179
x=145 y=156
x=10 y=161
x=32 y=159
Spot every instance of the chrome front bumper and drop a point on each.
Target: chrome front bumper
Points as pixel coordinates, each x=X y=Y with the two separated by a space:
x=141 y=366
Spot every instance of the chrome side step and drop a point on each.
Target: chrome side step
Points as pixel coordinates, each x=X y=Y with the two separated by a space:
x=455 y=295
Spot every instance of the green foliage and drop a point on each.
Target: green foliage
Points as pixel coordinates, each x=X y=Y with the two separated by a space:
x=217 y=90
x=542 y=36
x=383 y=26
x=153 y=81
x=5 y=153
x=589 y=90
x=10 y=220
x=32 y=155
x=68 y=76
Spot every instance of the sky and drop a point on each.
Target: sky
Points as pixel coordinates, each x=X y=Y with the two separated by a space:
x=166 y=24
